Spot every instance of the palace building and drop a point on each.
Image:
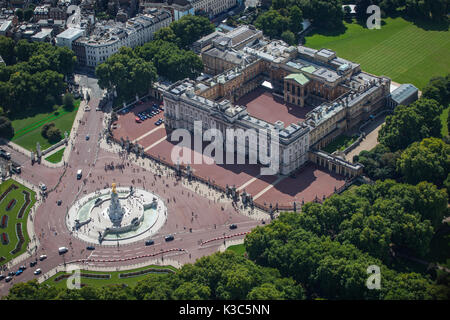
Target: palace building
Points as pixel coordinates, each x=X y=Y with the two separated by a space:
x=307 y=96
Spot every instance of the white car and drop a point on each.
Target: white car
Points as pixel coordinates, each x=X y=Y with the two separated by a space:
x=37 y=271
x=43 y=257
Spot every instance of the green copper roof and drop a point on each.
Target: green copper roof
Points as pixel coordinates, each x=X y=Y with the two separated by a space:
x=299 y=77
x=309 y=69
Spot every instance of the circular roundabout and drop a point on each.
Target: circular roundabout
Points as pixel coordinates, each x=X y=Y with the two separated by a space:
x=116 y=215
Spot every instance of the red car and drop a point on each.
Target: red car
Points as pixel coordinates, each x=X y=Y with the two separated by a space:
x=138 y=120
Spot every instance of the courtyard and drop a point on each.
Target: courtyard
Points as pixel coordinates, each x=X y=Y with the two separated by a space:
x=310 y=183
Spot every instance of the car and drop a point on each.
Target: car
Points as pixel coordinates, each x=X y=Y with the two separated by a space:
x=22 y=267
x=5 y=154
x=233 y=226
x=19 y=272
x=37 y=271
x=8 y=279
x=42 y=186
x=158 y=122
x=79 y=174
x=33 y=263
x=90 y=248
x=42 y=257
x=87 y=137
x=138 y=120
x=62 y=250
x=169 y=237
x=2 y=277
x=155 y=105
x=58 y=202
x=161 y=108
x=149 y=242
x=11 y=273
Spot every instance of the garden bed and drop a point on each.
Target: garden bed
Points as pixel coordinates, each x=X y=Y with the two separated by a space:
x=143 y=272
x=21 y=238
x=5 y=239
x=25 y=205
x=4 y=222
x=11 y=204
x=10 y=188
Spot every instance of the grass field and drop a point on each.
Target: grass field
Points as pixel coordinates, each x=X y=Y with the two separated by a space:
x=113 y=280
x=238 y=249
x=5 y=250
x=27 y=131
x=56 y=157
x=400 y=50
x=340 y=143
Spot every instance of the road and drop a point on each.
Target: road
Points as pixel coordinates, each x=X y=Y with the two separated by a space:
x=186 y=209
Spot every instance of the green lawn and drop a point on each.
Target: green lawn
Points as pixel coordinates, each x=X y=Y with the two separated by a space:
x=444 y=117
x=12 y=218
x=399 y=50
x=27 y=131
x=340 y=143
x=113 y=280
x=56 y=157
x=238 y=249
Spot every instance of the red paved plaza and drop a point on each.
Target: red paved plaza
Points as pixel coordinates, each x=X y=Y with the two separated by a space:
x=262 y=104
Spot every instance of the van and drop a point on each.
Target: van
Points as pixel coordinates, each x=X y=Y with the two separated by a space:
x=62 y=250
x=79 y=174
x=17 y=169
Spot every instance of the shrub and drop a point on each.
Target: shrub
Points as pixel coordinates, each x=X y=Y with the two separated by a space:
x=53 y=134
x=45 y=128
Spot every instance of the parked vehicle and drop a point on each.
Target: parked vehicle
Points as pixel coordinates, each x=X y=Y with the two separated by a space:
x=62 y=250
x=90 y=248
x=79 y=174
x=8 y=279
x=149 y=242
x=169 y=237
x=37 y=271
x=33 y=263
x=138 y=120
x=42 y=257
x=42 y=186
x=233 y=226
x=5 y=154
x=2 y=277
x=19 y=272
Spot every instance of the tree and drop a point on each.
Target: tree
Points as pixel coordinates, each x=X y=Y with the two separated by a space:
x=411 y=123
x=438 y=88
x=288 y=37
x=53 y=134
x=6 y=128
x=166 y=34
x=428 y=160
x=68 y=101
x=7 y=49
x=19 y=14
x=266 y=291
x=272 y=23
x=190 y=28
x=128 y=73
x=27 y=14
x=295 y=19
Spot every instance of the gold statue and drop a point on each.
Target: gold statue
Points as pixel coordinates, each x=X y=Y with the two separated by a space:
x=113 y=187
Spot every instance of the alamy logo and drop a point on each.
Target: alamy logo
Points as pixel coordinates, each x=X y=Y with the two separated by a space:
x=374 y=21
x=374 y=280
x=74 y=280
x=259 y=147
